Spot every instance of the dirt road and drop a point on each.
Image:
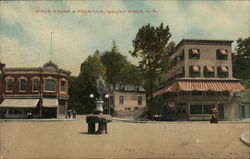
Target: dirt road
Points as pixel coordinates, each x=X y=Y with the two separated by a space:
x=68 y=139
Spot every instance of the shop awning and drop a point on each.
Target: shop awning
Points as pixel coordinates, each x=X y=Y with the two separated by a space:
x=224 y=69
x=234 y=86
x=195 y=51
x=210 y=69
x=209 y=86
x=50 y=102
x=196 y=68
x=20 y=103
x=223 y=52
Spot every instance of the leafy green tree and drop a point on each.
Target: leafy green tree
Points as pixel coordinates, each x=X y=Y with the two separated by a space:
x=130 y=74
x=241 y=66
x=90 y=70
x=114 y=62
x=241 y=59
x=150 y=46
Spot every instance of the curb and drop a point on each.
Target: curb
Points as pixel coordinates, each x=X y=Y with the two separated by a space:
x=244 y=138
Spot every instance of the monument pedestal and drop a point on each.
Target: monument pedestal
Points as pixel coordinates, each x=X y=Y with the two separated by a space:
x=102 y=121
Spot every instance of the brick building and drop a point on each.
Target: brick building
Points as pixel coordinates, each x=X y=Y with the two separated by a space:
x=201 y=79
x=42 y=91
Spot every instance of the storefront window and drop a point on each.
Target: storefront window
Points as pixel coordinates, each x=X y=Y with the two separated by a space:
x=208 y=107
x=196 y=109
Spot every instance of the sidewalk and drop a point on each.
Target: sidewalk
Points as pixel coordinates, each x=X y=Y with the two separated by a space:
x=245 y=138
x=132 y=120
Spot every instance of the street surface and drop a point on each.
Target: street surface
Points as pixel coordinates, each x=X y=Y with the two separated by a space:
x=68 y=139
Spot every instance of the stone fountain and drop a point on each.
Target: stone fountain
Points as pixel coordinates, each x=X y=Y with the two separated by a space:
x=98 y=116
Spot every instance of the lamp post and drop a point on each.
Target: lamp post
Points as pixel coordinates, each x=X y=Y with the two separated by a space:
x=107 y=99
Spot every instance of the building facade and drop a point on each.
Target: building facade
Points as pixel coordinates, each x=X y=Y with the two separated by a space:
x=201 y=79
x=126 y=99
x=41 y=91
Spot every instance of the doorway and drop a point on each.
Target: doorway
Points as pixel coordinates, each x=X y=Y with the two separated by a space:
x=181 y=111
x=221 y=111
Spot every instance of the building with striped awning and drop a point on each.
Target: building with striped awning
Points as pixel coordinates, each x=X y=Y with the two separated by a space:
x=200 y=80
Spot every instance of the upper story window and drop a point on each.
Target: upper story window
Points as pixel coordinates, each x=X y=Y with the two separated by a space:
x=194 y=71
x=222 y=71
x=10 y=84
x=22 y=84
x=139 y=100
x=208 y=71
x=50 y=85
x=194 y=54
x=121 y=100
x=63 y=86
x=35 y=84
x=221 y=54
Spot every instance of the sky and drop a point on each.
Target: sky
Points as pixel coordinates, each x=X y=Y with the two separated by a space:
x=26 y=26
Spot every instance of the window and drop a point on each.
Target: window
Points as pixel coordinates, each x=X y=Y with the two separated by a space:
x=208 y=71
x=127 y=108
x=9 y=85
x=207 y=108
x=195 y=108
x=36 y=84
x=222 y=71
x=63 y=86
x=50 y=85
x=194 y=71
x=22 y=84
x=121 y=100
x=221 y=54
x=111 y=100
x=194 y=54
x=139 y=100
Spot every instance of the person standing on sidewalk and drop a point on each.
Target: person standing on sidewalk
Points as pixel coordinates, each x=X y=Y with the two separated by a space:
x=214 y=116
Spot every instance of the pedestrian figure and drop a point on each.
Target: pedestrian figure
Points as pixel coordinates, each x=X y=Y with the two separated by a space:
x=71 y=114
x=74 y=114
x=214 y=116
x=68 y=112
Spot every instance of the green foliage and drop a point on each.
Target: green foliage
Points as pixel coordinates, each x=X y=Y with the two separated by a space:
x=241 y=59
x=130 y=74
x=118 y=68
x=85 y=84
x=114 y=62
x=151 y=46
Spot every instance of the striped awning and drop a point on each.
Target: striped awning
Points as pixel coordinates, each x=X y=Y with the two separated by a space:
x=223 y=52
x=195 y=51
x=234 y=86
x=224 y=69
x=209 y=86
x=196 y=68
x=19 y=103
x=209 y=68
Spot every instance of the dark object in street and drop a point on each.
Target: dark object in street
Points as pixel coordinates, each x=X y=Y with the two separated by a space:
x=102 y=121
x=214 y=116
